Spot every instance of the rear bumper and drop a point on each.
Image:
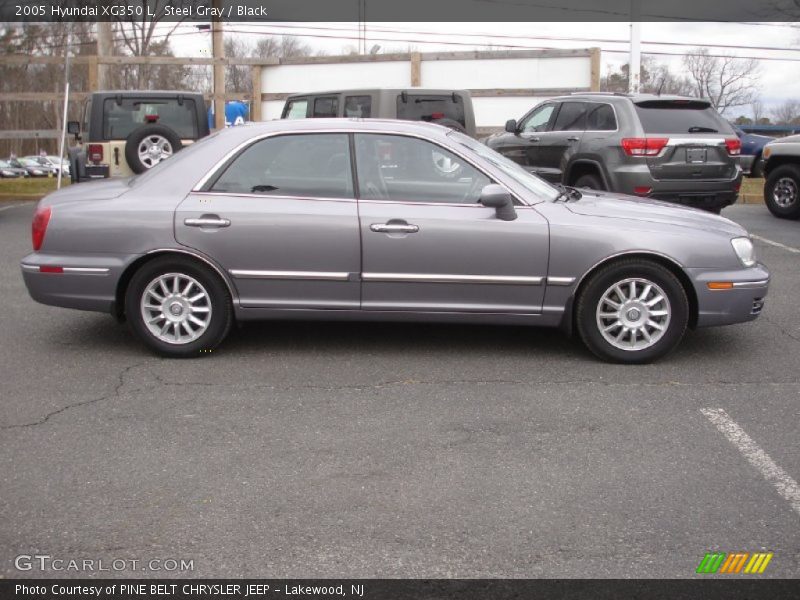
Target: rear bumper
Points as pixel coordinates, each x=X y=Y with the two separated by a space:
x=743 y=302
x=706 y=194
x=86 y=283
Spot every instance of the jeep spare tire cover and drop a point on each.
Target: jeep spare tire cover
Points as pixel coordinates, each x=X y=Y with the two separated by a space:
x=148 y=145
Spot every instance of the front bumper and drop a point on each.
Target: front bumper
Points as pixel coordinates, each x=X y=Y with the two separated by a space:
x=84 y=283
x=742 y=302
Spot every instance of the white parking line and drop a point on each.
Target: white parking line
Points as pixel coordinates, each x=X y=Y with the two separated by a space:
x=776 y=244
x=786 y=486
x=2 y=208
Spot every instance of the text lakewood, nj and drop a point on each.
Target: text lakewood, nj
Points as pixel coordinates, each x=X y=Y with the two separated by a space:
x=182 y=12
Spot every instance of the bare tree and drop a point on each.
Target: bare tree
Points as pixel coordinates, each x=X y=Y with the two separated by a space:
x=727 y=81
x=787 y=113
x=283 y=47
x=238 y=78
x=654 y=77
x=758 y=110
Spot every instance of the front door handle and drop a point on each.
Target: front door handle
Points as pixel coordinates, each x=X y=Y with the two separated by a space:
x=208 y=221
x=393 y=228
x=534 y=139
x=573 y=139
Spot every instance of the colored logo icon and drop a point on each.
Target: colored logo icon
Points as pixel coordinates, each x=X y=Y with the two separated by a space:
x=734 y=562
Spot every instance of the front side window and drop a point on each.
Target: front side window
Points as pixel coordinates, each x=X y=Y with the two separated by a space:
x=538 y=120
x=571 y=117
x=405 y=169
x=359 y=107
x=312 y=165
x=327 y=106
x=295 y=109
x=121 y=118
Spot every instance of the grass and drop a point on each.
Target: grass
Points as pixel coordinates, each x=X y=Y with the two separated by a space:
x=29 y=186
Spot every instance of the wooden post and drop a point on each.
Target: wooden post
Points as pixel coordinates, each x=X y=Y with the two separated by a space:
x=93 y=67
x=219 y=69
x=255 y=103
x=416 y=69
x=105 y=48
x=595 y=70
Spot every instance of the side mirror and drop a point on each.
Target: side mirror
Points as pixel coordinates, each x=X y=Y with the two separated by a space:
x=73 y=127
x=511 y=126
x=497 y=197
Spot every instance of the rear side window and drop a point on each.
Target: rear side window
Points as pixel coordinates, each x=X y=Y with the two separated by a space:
x=430 y=107
x=327 y=106
x=119 y=120
x=358 y=107
x=571 y=117
x=682 y=116
x=295 y=109
x=280 y=166
x=601 y=118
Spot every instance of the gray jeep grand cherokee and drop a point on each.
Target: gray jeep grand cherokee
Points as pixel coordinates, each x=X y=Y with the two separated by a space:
x=664 y=147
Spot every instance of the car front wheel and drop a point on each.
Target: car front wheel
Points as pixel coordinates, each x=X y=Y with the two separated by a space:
x=178 y=308
x=632 y=311
x=782 y=192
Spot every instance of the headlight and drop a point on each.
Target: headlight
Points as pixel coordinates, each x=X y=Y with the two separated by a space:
x=744 y=250
x=8 y=173
x=38 y=172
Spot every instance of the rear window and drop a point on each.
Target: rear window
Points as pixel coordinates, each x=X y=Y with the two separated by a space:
x=295 y=109
x=119 y=120
x=680 y=117
x=358 y=106
x=430 y=107
x=326 y=106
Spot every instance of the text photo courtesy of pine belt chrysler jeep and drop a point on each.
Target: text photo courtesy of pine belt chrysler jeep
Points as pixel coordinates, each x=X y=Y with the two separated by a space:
x=129 y=132
x=662 y=147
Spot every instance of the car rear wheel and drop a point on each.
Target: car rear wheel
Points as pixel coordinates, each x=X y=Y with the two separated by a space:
x=632 y=311
x=782 y=192
x=178 y=308
x=592 y=182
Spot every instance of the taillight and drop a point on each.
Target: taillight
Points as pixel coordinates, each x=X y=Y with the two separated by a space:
x=644 y=146
x=95 y=152
x=39 y=226
x=734 y=146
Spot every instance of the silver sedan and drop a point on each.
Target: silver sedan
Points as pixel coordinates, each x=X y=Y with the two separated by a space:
x=383 y=220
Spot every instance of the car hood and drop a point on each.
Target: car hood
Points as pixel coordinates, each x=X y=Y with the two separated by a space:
x=789 y=139
x=618 y=206
x=102 y=189
x=17 y=170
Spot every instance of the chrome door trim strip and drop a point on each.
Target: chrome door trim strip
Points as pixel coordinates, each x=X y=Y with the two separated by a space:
x=560 y=280
x=274 y=196
x=438 y=278
x=297 y=275
x=86 y=270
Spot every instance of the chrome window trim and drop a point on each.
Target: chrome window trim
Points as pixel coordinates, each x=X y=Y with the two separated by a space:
x=499 y=177
x=294 y=275
x=442 y=278
x=277 y=197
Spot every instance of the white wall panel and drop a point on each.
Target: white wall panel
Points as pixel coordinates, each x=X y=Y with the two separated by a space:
x=311 y=78
x=507 y=73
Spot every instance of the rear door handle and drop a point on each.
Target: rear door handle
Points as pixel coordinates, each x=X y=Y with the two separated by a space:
x=534 y=139
x=573 y=139
x=393 y=228
x=207 y=222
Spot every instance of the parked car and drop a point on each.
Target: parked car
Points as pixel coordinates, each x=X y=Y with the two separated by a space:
x=128 y=132
x=9 y=171
x=53 y=162
x=237 y=227
x=451 y=108
x=782 y=172
x=33 y=167
x=663 y=147
x=753 y=145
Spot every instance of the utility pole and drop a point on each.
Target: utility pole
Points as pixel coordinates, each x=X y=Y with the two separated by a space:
x=105 y=47
x=635 y=62
x=66 y=106
x=218 y=51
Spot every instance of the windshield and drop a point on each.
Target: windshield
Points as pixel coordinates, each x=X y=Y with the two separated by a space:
x=4 y=164
x=529 y=181
x=28 y=162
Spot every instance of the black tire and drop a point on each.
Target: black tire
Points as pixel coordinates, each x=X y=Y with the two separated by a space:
x=592 y=182
x=676 y=305
x=783 y=182
x=451 y=123
x=217 y=299
x=138 y=135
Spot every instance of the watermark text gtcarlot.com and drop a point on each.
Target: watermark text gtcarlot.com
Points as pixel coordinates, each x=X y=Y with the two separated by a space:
x=45 y=562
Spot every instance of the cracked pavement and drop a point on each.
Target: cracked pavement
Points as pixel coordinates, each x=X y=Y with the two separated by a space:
x=367 y=450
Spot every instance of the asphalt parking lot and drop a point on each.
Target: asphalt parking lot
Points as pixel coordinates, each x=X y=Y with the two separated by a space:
x=341 y=450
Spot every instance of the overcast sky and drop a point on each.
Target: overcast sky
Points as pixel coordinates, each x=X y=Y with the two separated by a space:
x=780 y=79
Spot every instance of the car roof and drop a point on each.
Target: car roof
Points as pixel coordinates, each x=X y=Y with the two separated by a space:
x=635 y=98
x=248 y=130
x=398 y=90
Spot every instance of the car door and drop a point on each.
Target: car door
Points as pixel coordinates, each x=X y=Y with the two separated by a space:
x=524 y=145
x=429 y=246
x=286 y=233
x=562 y=139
